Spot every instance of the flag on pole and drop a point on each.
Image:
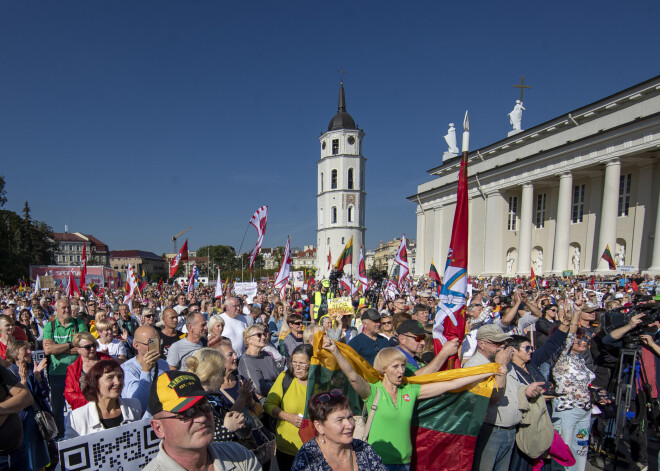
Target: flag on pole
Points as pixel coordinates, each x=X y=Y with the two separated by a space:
x=71 y=287
x=83 y=268
x=160 y=285
x=194 y=274
x=182 y=255
x=532 y=280
x=401 y=259
x=450 y=319
x=346 y=256
x=433 y=272
x=282 y=278
x=37 y=285
x=227 y=286
x=329 y=258
x=131 y=284
x=258 y=221
x=362 y=271
x=607 y=256
x=218 y=287
x=347 y=284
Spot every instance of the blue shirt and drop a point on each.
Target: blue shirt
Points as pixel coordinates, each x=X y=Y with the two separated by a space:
x=137 y=383
x=367 y=348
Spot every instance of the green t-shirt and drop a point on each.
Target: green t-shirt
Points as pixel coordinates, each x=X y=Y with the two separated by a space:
x=59 y=363
x=389 y=434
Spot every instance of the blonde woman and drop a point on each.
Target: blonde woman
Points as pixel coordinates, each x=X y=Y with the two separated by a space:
x=76 y=373
x=232 y=417
x=255 y=364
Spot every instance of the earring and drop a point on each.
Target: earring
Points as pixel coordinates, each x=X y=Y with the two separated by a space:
x=322 y=438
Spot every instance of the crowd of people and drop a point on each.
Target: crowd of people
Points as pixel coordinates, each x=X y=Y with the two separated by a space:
x=225 y=380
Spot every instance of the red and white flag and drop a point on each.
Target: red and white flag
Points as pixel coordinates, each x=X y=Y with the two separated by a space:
x=258 y=220
x=194 y=274
x=329 y=258
x=182 y=255
x=347 y=284
x=362 y=271
x=71 y=287
x=218 y=287
x=282 y=278
x=83 y=268
x=402 y=260
x=131 y=284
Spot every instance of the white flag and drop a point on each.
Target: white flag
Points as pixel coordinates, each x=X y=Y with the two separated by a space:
x=283 y=275
x=218 y=287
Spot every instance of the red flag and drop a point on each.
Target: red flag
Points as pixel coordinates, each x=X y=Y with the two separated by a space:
x=532 y=280
x=634 y=286
x=362 y=271
x=160 y=285
x=83 y=268
x=258 y=221
x=182 y=255
x=450 y=319
x=401 y=259
x=329 y=259
x=71 y=287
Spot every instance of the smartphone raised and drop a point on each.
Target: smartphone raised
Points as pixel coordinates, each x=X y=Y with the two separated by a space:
x=153 y=345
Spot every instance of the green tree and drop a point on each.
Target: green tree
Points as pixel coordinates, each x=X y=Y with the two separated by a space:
x=3 y=192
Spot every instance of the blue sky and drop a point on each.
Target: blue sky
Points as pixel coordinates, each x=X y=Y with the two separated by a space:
x=131 y=120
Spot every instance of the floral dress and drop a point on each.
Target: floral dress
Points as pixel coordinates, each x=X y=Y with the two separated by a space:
x=310 y=458
x=572 y=378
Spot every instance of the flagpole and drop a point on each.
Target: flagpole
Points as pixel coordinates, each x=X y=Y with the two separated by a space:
x=239 y=249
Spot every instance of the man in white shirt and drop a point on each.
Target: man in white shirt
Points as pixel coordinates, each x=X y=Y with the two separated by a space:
x=235 y=324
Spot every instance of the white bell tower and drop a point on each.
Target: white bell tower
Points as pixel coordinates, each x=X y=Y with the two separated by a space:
x=340 y=194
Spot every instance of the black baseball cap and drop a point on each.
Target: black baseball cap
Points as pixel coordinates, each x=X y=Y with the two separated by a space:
x=411 y=326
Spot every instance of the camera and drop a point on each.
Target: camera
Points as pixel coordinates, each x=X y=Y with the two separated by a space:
x=621 y=316
x=379 y=277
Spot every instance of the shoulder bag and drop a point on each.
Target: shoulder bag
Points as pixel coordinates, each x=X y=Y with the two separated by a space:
x=362 y=427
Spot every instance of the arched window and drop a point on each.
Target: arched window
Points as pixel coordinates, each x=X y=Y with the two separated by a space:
x=350 y=178
x=334 y=215
x=321 y=220
x=333 y=179
x=321 y=182
x=350 y=214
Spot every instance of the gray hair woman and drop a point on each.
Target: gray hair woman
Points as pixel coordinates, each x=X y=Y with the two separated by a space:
x=255 y=364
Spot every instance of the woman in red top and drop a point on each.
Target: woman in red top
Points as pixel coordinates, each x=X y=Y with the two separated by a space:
x=76 y=373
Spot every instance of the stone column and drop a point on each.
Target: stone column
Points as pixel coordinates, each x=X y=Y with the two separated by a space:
x=525 y=230
x=421 y=243
x=563 y=224
x=609 y=213
x=655 y=264
x=495 y=218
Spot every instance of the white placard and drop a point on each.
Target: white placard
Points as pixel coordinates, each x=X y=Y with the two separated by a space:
x=298 y=279
x=128 y=447
x=626 y=268
x=246 y=288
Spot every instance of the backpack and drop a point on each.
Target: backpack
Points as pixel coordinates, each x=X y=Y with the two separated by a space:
x=535 y=432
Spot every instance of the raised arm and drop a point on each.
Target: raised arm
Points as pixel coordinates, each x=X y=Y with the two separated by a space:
x=441 y=387
x=360 y=385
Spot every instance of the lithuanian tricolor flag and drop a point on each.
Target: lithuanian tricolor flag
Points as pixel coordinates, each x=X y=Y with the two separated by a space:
x=346 y=256
x=433 y=272
x=445 y=428
x=607 y=256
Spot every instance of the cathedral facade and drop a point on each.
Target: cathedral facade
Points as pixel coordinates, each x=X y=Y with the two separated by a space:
x=553 y=197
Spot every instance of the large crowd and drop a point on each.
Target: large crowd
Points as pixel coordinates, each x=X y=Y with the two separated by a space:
x=225 y=380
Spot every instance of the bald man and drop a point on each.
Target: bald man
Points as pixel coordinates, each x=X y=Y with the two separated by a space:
x=140 y=371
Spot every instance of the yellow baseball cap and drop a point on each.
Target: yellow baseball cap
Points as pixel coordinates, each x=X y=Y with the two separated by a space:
x=175 y=391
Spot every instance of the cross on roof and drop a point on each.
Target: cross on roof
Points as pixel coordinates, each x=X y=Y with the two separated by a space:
x=522 y=87
x=341 y=74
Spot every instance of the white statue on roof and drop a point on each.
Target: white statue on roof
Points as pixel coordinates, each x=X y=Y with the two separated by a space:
x=515 y=117
x=450 y=139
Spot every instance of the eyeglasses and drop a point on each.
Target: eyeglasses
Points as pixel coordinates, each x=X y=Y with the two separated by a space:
x=87 y=347
x=299 y=365
x=582 y=340
x=148 y=316
x=259 y=334
x=386 y=323
x=323 y=398
x=194 y=411
x=295 y=323
x=418 y=338
x=527 y=348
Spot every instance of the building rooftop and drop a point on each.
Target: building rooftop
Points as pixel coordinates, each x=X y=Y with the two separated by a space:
x=134 y=254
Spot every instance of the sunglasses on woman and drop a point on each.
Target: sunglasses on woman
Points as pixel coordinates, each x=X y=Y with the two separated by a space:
x=527 y=348
x=323 y=398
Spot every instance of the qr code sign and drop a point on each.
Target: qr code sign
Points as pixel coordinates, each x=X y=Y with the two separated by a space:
x=125 y=448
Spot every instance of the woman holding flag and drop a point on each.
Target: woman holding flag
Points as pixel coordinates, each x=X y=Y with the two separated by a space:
x=390 y=430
